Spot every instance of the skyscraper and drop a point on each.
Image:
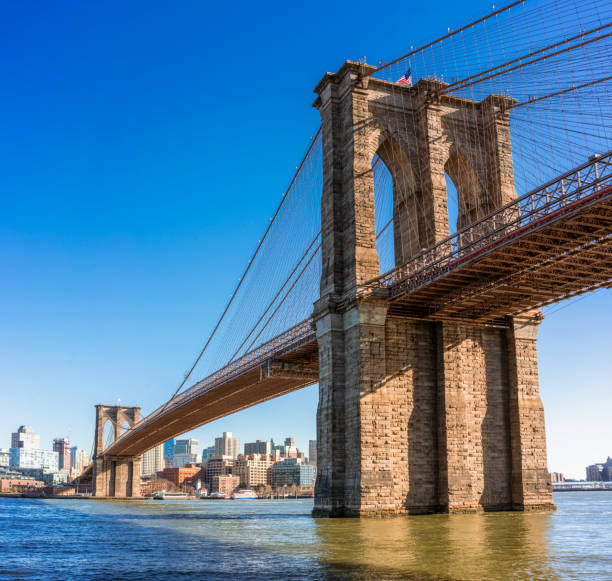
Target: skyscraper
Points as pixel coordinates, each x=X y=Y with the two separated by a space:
x=153 y=461
x=227 y=446
x=62 y=447
x=258 y=447
x=312 y=452
x=25 y=437
x=186 y=451
x=207 y=454
x=169 y=453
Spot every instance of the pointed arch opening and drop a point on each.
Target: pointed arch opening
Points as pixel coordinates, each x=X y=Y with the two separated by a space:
x=108 y=433
x=395 y=205
x=464 y=191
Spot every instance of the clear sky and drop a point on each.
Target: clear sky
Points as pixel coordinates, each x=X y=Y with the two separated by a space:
x=143 y=148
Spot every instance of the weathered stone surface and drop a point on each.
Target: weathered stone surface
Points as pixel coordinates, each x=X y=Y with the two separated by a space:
x=416 y=416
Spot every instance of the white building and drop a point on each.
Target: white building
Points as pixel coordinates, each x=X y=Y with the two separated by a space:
x=33 y=458
x=226 y=445
x=153 y=461
x=4 y=458
x=25 y=437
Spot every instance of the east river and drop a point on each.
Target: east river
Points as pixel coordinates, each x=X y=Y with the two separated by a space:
x=250 y=539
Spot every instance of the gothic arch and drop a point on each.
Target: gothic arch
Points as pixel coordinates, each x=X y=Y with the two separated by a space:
x=396 y=156
x=469 y=189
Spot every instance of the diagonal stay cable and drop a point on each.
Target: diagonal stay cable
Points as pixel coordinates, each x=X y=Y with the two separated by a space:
x=280 y=290
x=242 y=278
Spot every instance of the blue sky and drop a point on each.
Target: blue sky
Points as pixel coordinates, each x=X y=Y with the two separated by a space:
x=143 y=148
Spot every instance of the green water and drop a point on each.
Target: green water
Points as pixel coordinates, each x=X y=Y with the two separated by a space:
x=66 y=539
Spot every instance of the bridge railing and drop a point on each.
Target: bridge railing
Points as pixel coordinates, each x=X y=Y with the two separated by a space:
x=570 y=191
x=289 y=340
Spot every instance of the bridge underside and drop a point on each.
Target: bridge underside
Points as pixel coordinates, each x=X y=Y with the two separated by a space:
x=270 y=379
x=525 y=270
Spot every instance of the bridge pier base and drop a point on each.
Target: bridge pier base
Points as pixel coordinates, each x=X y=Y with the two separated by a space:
x=117 y=477
x=417 y=417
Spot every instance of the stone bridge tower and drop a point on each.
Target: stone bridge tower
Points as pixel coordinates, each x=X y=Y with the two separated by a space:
x=115 y=476
x=417 y=416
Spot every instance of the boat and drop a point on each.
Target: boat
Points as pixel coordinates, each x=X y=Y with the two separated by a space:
x=164 y=495
x=215 y=495
x=244 y=493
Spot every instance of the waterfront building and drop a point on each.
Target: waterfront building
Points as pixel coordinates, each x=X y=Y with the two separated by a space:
x=312 y=452
x=253 y=470
x=292 y=471
x=153 y=461
x=258 y=447
x=169 y=453
x=225 y=483
x=218 y=466
x=25 y=437
x=34 y=458
x=12 y=480
x=186 y=452
x=557 y=477
x=207 y=454
x=181 y=475
x=62 y=447
x=4 y=458
x=226 y=445
x=600 y=472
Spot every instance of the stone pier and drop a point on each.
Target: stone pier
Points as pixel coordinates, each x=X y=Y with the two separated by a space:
x=115 y=476
x=417 y=416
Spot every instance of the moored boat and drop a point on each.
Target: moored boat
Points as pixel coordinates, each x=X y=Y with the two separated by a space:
x=244 y=493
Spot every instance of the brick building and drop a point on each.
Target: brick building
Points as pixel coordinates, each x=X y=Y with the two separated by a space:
x=181 y=475
x=225 y=483
x=253 y=470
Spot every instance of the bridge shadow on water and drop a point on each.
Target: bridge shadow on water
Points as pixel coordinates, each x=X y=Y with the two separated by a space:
x=174 y=540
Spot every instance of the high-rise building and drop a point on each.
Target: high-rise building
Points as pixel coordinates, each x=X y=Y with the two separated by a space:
x=557 y=477
x=290 y=442
x=600 y=472
x=4 y=458
x=292 y=471
x=74 y=458
x=312 y=452
x=169 y=453
x=79 y=459
x=258 y=447
x=153 y=461
x=34 y=458
x=25 y=437
x=226 y=445
x=186 y=452
x=62 y=447
x=216 y=466
x=207 y=454
x=253 y=470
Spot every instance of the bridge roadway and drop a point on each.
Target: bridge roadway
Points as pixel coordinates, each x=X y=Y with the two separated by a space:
x=548 y=245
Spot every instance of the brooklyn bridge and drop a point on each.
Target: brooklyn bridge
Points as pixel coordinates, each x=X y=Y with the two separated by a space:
x=448 y=196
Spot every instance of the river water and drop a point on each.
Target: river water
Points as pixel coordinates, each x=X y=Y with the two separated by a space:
x=277 y=539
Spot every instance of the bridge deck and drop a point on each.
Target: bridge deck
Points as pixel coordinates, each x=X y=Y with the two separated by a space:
x=282 y=365
x=547 y=246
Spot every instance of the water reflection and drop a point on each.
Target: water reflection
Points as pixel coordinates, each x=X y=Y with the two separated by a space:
x=487 y=546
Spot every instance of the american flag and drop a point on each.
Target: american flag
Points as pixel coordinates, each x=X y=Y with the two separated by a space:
x=406 y=79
